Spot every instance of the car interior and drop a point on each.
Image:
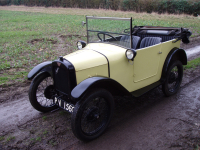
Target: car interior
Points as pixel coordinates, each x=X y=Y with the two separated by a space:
x=143 y=38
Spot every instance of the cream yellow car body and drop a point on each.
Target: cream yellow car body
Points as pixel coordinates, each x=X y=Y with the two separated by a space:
x=88 y=63
x=145 y=69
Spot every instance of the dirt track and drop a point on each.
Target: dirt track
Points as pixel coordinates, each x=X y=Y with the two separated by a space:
x=161 y=123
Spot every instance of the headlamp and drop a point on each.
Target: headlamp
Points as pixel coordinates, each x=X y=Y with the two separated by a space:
x=130 y=54
x=81 y=44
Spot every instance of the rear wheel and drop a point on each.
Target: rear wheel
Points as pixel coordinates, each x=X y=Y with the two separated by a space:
x=92 y=114
x=174 y=78
x=41 y=93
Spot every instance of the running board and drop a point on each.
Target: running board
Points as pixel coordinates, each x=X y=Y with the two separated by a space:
x=144 y=90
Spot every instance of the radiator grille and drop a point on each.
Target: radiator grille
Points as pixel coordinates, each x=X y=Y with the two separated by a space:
x=61 y=80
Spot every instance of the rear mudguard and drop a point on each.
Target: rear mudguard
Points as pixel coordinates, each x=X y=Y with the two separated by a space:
x=111 y=85
x=43 y=67
x=174 y=54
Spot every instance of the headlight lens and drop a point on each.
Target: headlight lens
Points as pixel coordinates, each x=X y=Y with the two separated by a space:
x=129 y=54
x=79 y=45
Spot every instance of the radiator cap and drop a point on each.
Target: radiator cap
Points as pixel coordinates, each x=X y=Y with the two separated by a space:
x=61 y=58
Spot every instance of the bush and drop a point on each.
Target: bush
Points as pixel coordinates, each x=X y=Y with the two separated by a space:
x=5 y=2
x=160 y=6
x=17 y=2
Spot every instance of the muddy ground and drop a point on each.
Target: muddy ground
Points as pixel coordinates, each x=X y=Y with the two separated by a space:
x=152 y=121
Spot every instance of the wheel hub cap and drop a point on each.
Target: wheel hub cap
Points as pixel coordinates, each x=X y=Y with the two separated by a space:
x=49 y=91
x=172 y=77
x=93 y=114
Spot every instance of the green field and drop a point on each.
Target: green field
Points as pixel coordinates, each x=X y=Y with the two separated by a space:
x=29 y=38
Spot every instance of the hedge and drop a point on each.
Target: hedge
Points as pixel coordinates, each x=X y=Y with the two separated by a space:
x=160 y=6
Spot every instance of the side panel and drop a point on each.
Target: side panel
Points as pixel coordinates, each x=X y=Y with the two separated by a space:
x=88 y=63
x=120 y=69
x=166 y=47
x=85 y=59
x=101 y=71
x=146 y=63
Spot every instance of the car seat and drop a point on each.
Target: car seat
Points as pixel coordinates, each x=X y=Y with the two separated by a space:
x=125 y=41
x=149 y=41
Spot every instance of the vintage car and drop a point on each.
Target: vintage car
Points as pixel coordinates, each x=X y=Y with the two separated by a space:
x=116 y=60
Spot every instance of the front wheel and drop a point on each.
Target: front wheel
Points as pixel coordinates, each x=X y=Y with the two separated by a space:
x=173 y=79
x=92 y=114
x=41 y=93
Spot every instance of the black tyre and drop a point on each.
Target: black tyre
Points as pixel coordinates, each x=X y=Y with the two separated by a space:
x=173 y=79
x=92 y=114
x=41 y=93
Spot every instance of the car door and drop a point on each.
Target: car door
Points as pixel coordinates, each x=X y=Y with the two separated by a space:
x=145 y=65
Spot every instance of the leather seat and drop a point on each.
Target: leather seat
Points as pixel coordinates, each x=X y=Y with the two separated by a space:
x=125 y=41
x=149 y=41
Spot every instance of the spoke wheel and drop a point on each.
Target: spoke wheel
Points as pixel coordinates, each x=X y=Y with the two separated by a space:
x=174 y=78
x=92 y=115
x=41 y=93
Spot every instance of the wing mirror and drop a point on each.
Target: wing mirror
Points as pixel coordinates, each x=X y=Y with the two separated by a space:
x=83 y=23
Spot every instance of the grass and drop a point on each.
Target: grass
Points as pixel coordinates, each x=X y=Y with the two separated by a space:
x=10 y=138
x=53 y=142
x=44 y=118
x=64 y=113
x=139 y=18
x=197 y=148
x=27 y=39
x=35 y=140
x=13 y=76
x=2 y=138
x=38 y=139
x=193 y=64
x=33 y=34
x=45 y=132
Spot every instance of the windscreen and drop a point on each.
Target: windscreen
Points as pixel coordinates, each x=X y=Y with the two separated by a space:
x=109 y=30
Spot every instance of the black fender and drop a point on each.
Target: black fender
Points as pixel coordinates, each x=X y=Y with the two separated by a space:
x=174 y=54
x=44 y=67
x=111 y=85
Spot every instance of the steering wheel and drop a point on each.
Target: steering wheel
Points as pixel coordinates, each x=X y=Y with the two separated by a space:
x=105 y=34
x=127 y=30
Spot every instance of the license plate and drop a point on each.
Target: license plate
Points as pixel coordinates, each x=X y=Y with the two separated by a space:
x=63 y=104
